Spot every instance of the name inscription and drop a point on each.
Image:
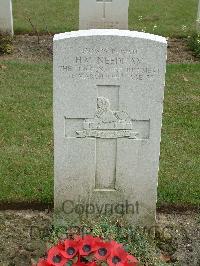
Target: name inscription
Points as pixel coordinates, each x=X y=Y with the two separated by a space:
x=123 y=63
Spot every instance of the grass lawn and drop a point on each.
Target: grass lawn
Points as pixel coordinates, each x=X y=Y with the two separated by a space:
x=26 y=149
x=26 y=132
x=180 y=154
x=171 y=17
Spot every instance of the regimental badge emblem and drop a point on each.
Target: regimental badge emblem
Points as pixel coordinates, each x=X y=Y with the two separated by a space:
x=107 y=123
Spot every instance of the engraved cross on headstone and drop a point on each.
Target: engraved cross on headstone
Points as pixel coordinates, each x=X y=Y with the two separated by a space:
x=104 y=5
x=108 y=125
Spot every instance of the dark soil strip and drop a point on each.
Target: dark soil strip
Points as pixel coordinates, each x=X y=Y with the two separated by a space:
x=178 y=208
x=33 y=48
x=35 y=206
x=38 y=206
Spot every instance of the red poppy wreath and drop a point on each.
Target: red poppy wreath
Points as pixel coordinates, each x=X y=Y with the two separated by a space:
x=87 y=250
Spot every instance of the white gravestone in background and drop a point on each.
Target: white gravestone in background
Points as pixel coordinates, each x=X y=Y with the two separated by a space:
x=6 y=18
x=103 y=14
x=108 y=103
x=198 y=18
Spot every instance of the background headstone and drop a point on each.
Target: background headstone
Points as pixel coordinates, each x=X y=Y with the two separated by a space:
x=6 y=17
x=103 y=14
x=198 y=19
x=108 y=103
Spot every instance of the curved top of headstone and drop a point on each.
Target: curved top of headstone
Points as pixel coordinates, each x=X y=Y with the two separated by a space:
x=110 y=32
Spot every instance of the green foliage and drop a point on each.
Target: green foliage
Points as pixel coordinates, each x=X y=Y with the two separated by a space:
x=6 y=46
x=194 y=44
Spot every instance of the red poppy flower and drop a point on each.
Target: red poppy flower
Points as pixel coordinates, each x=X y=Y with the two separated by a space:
x=93 y=263
x=87 y=245
x=87 y=251
x=132 y=260
x=118 y=257
x=103 y=250
x=55 y=257
x=115 y=245
x=70 y=248
x=77 y=238
x=79 y=264
x=131 y=263
x=43 y=263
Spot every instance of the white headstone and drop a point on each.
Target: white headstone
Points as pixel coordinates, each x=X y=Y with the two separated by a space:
x=103 y=14
x=198 y=18
x=6 y=18
x=108 y=103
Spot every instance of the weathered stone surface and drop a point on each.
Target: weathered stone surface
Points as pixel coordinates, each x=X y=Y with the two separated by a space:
x=103 y=14
x=108 y=103
x=6 y=18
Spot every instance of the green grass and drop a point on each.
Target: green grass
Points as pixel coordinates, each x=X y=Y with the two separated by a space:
x=26 y=132
x=171 y=17
x=26 y=152
x=54 y=15
x=180 y=156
